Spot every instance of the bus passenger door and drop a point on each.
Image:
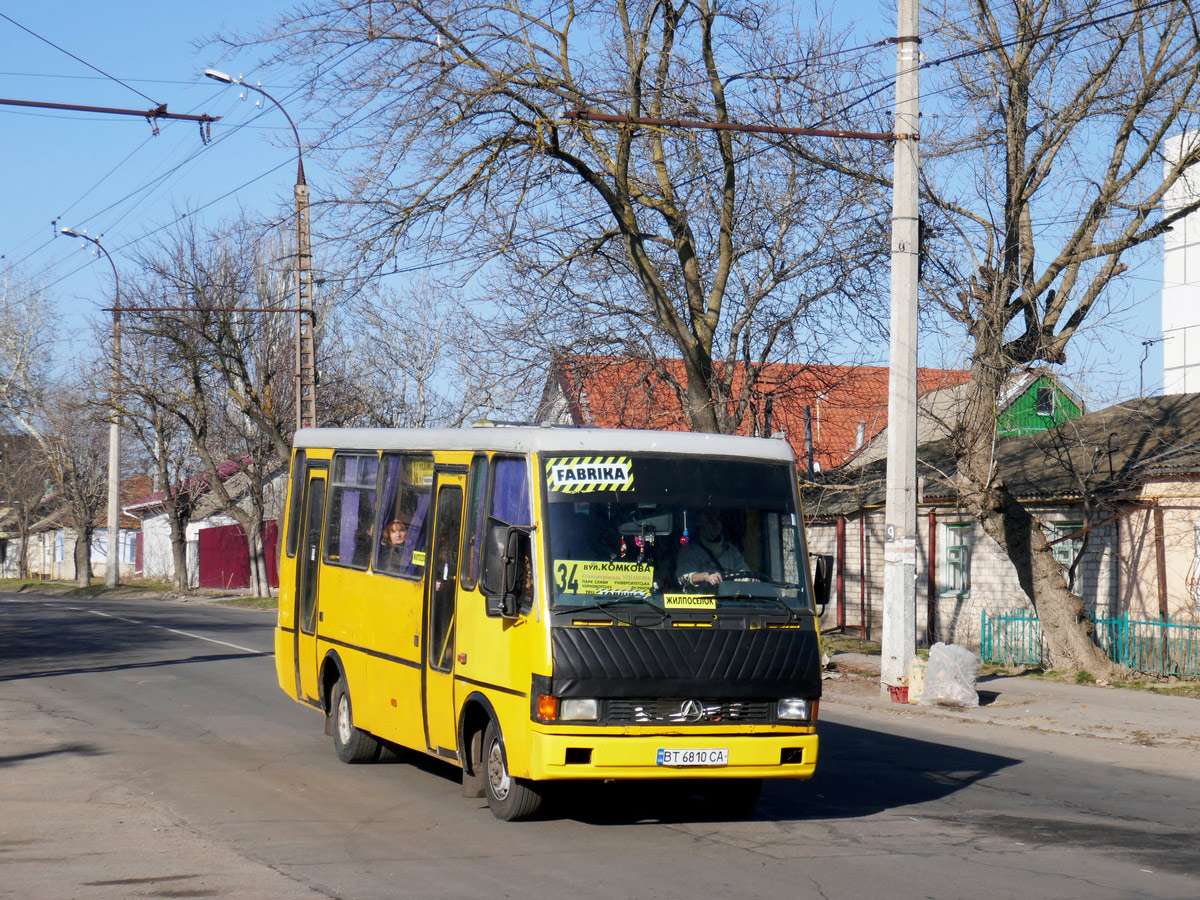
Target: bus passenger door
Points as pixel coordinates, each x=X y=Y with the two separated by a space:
x=441 y=592
x=308 y=573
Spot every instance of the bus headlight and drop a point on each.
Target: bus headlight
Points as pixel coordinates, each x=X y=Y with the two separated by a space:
x=571 y=709
x=797 y=709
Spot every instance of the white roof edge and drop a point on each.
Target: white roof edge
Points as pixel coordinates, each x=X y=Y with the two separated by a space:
x=525 y=439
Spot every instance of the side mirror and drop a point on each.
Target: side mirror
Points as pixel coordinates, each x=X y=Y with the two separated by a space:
x=822 y=581
x=506 y=556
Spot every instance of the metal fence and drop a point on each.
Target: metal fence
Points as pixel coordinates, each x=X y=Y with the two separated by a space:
x=1153 y=647
x=1012 y=639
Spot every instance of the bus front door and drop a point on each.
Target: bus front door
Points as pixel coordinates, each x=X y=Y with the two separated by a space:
x=307 y=581
x=441 y=595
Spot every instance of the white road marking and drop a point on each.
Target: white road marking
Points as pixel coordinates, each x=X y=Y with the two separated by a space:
x=198 y=637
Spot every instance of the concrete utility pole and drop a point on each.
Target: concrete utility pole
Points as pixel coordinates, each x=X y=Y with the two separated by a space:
x=306 y=358
x=112 y=565
x=900 y=514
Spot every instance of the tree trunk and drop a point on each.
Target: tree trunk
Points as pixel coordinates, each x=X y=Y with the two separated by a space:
x=83 y=557
x=23 y=557
x=258 y=558
x=179 y=555
x=1063 y=616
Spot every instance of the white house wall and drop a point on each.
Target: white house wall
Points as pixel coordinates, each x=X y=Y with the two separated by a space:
x=158 y=562
x=1181 y=281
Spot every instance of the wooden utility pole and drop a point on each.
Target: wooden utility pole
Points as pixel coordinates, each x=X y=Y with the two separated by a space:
x=900 y=513
x=306 y=357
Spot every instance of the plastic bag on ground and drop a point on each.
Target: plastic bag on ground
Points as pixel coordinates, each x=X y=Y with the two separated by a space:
x=950 y=677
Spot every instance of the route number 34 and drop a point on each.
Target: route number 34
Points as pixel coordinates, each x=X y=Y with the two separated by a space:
x=567 y=578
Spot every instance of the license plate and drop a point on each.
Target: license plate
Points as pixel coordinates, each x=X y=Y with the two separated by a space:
x=671 y=757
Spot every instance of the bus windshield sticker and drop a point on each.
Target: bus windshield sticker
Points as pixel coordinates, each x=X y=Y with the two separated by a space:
x=579 y=474
x=574 y=576
x=418 y=558
x=689 y=601
x=422 y=471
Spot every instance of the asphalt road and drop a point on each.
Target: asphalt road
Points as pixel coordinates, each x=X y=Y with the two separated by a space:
x=145 y=751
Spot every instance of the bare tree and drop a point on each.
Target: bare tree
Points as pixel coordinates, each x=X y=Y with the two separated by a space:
x=145 y=399
x=28 y=332
x=1050 y=137
x=26 y=481
x=415 y=359
x=76 y=443
x=228 y=361
x=712 y=247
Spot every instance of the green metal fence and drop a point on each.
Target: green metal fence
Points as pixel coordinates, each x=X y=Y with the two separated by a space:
x=1153 y=647
x=1013 y=639
x=1160 y=648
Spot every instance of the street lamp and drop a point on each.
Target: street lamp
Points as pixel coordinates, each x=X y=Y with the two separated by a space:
x=112 y=564
x=306 y=363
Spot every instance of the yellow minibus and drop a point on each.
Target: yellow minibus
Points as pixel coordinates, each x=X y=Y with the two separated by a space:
x=543 y=604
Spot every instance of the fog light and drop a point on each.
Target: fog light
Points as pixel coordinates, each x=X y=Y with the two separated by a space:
x=576 y=710
x=795 y=709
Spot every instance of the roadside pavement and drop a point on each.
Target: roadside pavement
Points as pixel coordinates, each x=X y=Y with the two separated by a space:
x=1113 y=713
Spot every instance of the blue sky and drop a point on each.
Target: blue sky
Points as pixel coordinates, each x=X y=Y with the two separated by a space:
x=111 y=176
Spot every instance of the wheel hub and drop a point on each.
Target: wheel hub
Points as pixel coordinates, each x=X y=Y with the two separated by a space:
x=343 y=720
x=496 y=772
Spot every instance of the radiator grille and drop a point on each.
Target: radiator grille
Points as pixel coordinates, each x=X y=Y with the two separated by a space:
x=688 y=712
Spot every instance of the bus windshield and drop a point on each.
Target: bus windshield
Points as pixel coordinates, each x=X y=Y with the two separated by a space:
x=686 y=535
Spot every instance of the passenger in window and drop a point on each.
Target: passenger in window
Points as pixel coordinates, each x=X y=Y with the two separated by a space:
x=708 y=558
x=391 y=545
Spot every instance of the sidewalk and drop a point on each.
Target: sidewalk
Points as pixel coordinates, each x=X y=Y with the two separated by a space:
x=1130 y=716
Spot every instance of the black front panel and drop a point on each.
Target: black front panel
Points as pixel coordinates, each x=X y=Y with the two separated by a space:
x=617 y=661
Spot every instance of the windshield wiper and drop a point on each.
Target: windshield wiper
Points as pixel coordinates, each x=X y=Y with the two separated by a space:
x=738 y=595
x=609 y=599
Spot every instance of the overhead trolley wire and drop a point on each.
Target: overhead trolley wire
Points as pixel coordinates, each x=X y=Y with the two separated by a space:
x=77 y=58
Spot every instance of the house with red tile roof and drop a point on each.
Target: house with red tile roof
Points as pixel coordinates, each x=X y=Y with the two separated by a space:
x=835 y=410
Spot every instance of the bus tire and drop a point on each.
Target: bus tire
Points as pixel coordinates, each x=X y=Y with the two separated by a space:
x=353 y=745
x=510 y=799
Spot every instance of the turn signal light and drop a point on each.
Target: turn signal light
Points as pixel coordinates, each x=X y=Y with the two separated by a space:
x=547 y=708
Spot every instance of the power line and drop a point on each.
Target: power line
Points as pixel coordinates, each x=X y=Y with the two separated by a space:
x=78 y=59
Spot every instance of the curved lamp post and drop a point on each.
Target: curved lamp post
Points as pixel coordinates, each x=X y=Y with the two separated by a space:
x=113 y=563
x=306 y=361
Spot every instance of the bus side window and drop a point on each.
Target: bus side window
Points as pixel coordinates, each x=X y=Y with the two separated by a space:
x=293 y=520
x=508 y=504
x=476 y=522
x=351 y=509
x=404 y=498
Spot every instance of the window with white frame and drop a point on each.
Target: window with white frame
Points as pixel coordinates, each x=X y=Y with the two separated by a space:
x=957 y=539
x=1066 y=543
x=1044 y=401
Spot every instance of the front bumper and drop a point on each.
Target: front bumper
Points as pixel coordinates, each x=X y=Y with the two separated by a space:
x=608 y=755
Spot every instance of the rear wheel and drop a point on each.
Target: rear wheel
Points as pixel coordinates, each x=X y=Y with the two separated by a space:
x=510 y=799
x=353 y=745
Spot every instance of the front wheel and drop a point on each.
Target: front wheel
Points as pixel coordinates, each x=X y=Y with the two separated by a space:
x=510 y=799
x=353 y=745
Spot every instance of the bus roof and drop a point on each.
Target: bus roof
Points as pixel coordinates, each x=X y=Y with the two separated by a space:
x=557 y=439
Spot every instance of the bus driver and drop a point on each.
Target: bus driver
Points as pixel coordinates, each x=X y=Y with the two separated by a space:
x=709 y=558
